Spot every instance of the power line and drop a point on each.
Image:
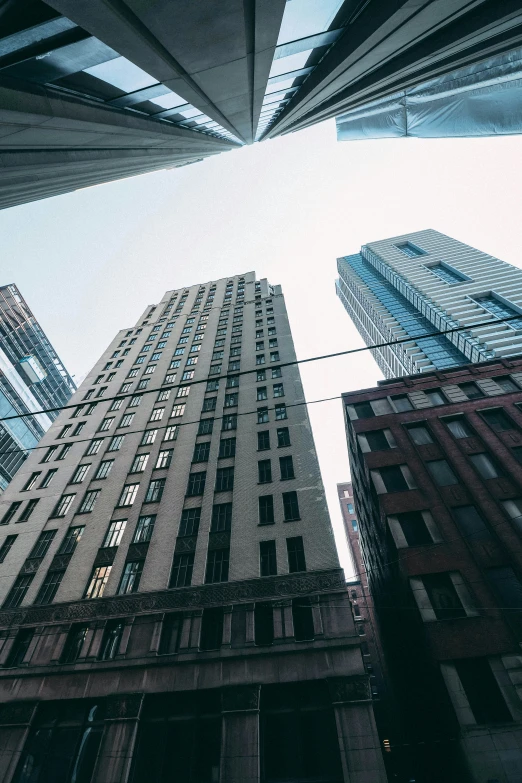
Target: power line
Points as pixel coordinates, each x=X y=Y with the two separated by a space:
x=278 y=364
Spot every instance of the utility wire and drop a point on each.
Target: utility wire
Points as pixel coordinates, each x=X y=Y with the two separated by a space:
x=278 y=364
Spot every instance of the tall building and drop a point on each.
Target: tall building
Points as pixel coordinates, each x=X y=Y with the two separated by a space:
x=32 y=378
x=415 y=285
x=436 y=464
x=172 y=604
x=95 y=91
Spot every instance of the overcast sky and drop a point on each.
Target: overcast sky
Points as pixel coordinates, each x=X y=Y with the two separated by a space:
x=88 y=263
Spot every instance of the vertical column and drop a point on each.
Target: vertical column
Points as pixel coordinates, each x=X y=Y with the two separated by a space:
x=240 y=738
x=15 y=722
x=227 y=626
x=119 y=738
x=357 y=734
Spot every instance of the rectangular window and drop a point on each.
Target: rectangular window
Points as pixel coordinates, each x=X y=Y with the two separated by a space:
x=506 y=383
x=231 y=400
x=227 y=447
x=444 y=599
x=189 y=524
x=96 y=584
x=116 y=404
x=224 y=479
x=470 y=523
x=279 y=390
x=471 y=390
x=19 y=649
x=114 y=533
x=106 y=424
x=196 y=483
x=64 y=431
x=31 y=481
x=290 y=506
x=262 y=415
x=217 y=566
x=6 y=546
x=63 y=505
x=484 y=466
x=262 y=393
x=401 y=403
x=266 y=510
x=212 y=386
x=221 y=517
x=267 y=558
x=164 y=459
x=149 y=369
x=458 y=427
x=135 y=400
x=128 y=495
x=71 y=539
x=49 y=588
x=280 y=412
x=181 y=574
x=144 y=529
x=155 y=491
x=263 y=440
x=80 y=474
x=482 y=691
x=111 y=640
x=125 y=387
x=132 y=373
x=260 y=359
x=18 y=591
x=232 y=380
x=170 y=378
x=28 y=510
x=126 y=420
x=395 y=478
x=49 y=453
x=211 y=636
x=413 y=528
x=209 y=404
x=116 y=443
x=410 y=250
x=377 y=440
x=274 y=356
x=283 y=437
x=230 y=422
x=205 y=426
x=497 y=419
x=89 y=501
x=94 y=447
x=64 y=451
x=104 y=468
x=441 y=473
x=171 y=433
x=201 y=452
x=178 y=410
x=48 y=478
x=264 y=471
x=286 y=466
x=296 y=555
x=43 y=543
x=130 y=578
x=157 y=414
x=79 y=427
x=183 y=391
x=149 y=436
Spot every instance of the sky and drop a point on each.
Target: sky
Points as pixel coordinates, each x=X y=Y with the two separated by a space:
x=89 y=262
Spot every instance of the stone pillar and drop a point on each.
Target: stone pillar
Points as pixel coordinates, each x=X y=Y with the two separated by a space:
x=240 y=738
x=249 y=625
x=227 y=627
x=119 y=738
x=195 y=630
x=288 y=619
x=15 y=722
x=359 y=742
x=279 y=626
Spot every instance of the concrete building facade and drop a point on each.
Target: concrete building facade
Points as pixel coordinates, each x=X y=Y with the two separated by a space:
x=436 y=468
x=32 y=378
x=415 y=285
x=96 y=91
x=174 y=606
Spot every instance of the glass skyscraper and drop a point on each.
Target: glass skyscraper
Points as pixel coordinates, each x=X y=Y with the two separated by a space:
x=415 y=285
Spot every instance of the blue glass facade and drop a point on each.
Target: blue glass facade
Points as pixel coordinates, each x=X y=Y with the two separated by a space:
x=447 y=274
x=501 y=310
x=438 y=349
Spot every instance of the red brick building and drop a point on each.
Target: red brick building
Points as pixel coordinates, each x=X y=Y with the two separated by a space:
x=437 y=476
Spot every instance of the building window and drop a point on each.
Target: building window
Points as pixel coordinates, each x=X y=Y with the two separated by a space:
x=18 y=651
x=231 y=400
x=286 y=466
x=412 y=527
x=170 y=633
x=394 y=478
x=111 y=640
x=470 y=523
x=205 y=426
x=274 y=356
x=484 y=466
x=224 y=479
x=279 y=390
x=290 y=506
x=260 y=359
x=402 y=403
x=181 y=574
x=471 y=390
x=227 y=447
x=212 y=386
x=128 y=495
x=209 y=404
x=71 y=539
x=280 y=412
x=497 y=419
x=28 y=510
x=164 y=459
x=157 y=414
x=264 y=471
x=114 y=533
x=116 y=443
x=106 y=424
x=196 y=483
x=43 y=543
x=74 y=643
x=445 y=601
x=116 y=404
x=63 y=505
x=171 y=433
x=211 y=636
x=267 y=558
x=506 y=383
x=262 y=415
x=266 y=510
x=296 y=556
x=6 y=546
x=230 y=422
x=441 y=473
x=221 y=517
x=458 y=427
x=31 y=481
x=139 y=463
x=482 y=691
x=49 y=587
x=232 y=380
x=189 y=524
x=263 y=623
x=94 y=447
x=104 y=468
x=89 y=501
x=377 y=440
x=263 y=440
x=18 y=591
x=49 y=453
x=303 y=619
x=262 y=393
x=130 y=578
x=64 y=451
x=97 y=582
x=276 y=372
x=283 y=437
x=155 y=491
x=144 y=529
x=149 y=436
x=217 y=566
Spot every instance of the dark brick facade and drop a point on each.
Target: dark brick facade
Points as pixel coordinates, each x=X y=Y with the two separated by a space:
x=437 y=510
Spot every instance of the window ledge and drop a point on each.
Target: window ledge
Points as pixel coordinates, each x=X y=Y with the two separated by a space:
x=295 y=519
